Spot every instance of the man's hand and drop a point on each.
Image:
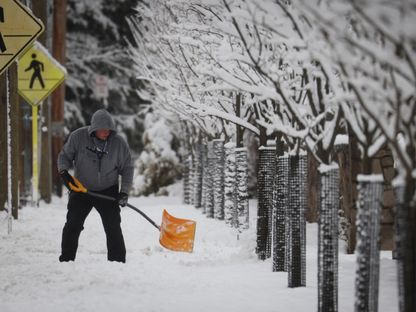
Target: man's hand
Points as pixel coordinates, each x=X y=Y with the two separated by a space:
x=122 y=199
x=67 y=178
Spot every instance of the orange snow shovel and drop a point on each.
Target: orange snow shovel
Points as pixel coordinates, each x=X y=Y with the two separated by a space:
x=175 y=234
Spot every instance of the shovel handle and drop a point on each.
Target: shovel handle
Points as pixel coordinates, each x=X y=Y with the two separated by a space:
x=144 y=216
x=128 y=205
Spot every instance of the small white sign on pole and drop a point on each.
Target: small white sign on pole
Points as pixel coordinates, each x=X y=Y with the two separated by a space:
x=101 y=86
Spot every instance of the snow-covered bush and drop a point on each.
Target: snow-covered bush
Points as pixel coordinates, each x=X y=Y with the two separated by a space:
x=158 y=164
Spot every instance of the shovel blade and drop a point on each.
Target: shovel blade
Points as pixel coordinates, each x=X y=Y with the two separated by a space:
x=177 y=234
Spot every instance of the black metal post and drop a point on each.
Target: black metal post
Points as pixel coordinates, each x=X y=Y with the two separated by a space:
x=218 y=179
x=328 y=239
x=370 y=197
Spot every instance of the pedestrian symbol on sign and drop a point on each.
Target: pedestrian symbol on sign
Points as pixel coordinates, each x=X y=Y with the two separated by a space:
x=37 y=68
x=38 y=74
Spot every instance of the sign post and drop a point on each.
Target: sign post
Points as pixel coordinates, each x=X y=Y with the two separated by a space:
x=38 y=75
x=35 y=153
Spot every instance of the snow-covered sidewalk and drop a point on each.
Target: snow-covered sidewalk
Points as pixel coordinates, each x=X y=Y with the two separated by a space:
x=222 y=274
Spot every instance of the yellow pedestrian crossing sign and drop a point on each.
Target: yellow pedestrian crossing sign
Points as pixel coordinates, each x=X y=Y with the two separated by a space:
x=38 y=74
x=18 y=30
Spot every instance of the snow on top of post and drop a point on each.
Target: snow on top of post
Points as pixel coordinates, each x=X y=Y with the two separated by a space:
x=399 y=180
x=326 y=168
x=241 y=149
x=285 y=155
x=370 y=178
x=341 y=139
x=229 y=144
x=297 y=151
x=262 y=148
x=271 y=143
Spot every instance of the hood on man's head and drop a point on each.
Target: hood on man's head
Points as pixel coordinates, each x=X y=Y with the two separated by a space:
x=101 y=119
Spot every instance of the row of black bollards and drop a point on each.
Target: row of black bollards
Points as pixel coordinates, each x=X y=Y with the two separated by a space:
x=215 y=179
x=282 y=201
x=241 y=161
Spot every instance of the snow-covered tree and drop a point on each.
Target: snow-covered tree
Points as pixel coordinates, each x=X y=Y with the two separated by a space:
x=158 y=164
x=372 y=49
x=97 y=38
x=175 y=55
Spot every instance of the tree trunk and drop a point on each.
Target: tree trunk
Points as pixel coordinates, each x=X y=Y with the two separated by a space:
x=186 y=180
x=241 y=162
x=209 y=195
x=347 y=205
x=14 y=125
x=296 y=212
x=313 y=189
x=280 y=214
x=3 y=140
x=218 y=180
x=409 y=245
x=399 y=235
x=239 y=129
x=265 y=200
x=40 y=9
x=205 y=171
x=199 y=151
x=328 y=240
x=230 y=186
x=58 y=96
x=368 y=243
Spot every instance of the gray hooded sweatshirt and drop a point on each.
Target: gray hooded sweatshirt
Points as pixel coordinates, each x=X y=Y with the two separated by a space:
x=98 y=164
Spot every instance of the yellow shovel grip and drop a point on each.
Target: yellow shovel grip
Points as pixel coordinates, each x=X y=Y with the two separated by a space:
x=78 y=187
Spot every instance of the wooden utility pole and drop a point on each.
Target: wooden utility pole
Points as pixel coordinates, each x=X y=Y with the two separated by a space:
x=25 y=151
x=3 y=140
x=40 y=9
x=9 y=98
x=14 y=127
x=58 y=52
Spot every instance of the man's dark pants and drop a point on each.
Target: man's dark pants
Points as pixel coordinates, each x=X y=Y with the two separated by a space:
x=79 y=206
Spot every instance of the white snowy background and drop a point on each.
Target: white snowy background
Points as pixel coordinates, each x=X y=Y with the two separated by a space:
x=222 y=273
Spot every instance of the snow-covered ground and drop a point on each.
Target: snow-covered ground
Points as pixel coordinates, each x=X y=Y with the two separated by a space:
x=222 y=274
